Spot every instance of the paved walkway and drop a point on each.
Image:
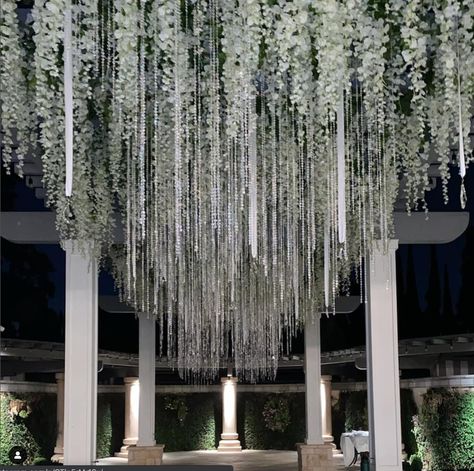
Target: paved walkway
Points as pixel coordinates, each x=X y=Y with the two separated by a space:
x=247 y=460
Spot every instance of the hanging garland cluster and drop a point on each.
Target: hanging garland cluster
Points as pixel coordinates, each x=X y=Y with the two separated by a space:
x=253 y=149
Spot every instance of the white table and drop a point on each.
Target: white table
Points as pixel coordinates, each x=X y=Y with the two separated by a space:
x=352 y=442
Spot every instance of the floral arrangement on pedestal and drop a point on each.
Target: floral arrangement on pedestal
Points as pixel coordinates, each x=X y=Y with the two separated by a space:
x=251 y=150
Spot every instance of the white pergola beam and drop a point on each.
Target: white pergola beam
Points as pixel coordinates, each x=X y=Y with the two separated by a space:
x=438 y=228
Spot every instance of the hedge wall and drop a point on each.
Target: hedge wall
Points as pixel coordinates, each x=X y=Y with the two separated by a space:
x=445 y=430
x=350 y=413
x=110 y=423
x=187 y=421
x=255 y=432
x=36 y=432
x=34 y=428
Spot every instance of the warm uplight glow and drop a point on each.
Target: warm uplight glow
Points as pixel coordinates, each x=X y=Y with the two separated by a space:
x=322 y=393
x=229 y=406
x=134 y=406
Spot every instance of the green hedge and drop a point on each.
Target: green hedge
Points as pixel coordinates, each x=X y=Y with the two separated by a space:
x=350 y=413
x=408 y=411
x=254 y=432
x=36 y=431
x=110 y=424
x=187 y=421
x=445 y=430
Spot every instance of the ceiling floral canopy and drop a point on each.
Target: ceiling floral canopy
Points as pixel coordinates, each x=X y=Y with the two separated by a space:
x=252 y=150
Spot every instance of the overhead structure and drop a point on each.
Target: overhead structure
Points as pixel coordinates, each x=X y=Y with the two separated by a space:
x=252 y=149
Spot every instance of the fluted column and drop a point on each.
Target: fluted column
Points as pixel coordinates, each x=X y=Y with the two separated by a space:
x=326 y=389
x=229 y=437
x=58 y=456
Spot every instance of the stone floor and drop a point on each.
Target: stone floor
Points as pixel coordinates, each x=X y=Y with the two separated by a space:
x=247 y=460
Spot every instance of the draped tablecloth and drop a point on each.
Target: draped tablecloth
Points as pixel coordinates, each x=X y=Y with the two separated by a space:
x=352 y=442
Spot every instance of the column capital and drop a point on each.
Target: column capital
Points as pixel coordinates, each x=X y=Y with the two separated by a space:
x=130 y=380
x=312 y=318
x=78 y=247
x=326 y=378
x=392 y=245
x=59 y=377
x=229 y=380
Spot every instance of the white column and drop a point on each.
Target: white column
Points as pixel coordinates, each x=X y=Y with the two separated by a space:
x=146 y=374
x=229 y=437
x=418 y=394
x=382 y=360
x=312 y=359
x=326 y=393
x=80 y=376
x=132 y=394
x=58 y=456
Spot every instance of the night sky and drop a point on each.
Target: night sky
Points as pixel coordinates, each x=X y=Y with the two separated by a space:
x=434 y=284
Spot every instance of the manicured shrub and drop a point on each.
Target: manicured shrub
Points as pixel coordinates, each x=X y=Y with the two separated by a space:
x=408 y=411
x=260 y=428
x=104 y=428
x=186 y=421
x=351 y=413
x=445 y=430
x=31 y=425
x=416 y=463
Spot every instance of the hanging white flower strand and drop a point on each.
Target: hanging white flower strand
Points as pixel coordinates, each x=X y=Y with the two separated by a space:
x=253 y=150
x=68 y=97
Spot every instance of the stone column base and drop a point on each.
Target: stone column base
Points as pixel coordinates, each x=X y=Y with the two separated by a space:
x=145 y=455
x=57 y=458
x=329 y=440
x=229 y=445
x=315 y=457
x=123 y=453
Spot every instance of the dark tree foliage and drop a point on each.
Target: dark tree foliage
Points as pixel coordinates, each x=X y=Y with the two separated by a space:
x=26 y=289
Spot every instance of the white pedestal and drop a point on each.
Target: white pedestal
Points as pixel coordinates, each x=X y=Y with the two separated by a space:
x=229 y=438
x=132 y=392
x=326 y=393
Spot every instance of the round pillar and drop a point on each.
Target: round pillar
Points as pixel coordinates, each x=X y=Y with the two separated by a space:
x=229 y=437
x=326 y=393
x=132 y=397
x=58 y=456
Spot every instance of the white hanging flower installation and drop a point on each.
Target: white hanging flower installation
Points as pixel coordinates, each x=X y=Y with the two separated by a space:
x=253 y=148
